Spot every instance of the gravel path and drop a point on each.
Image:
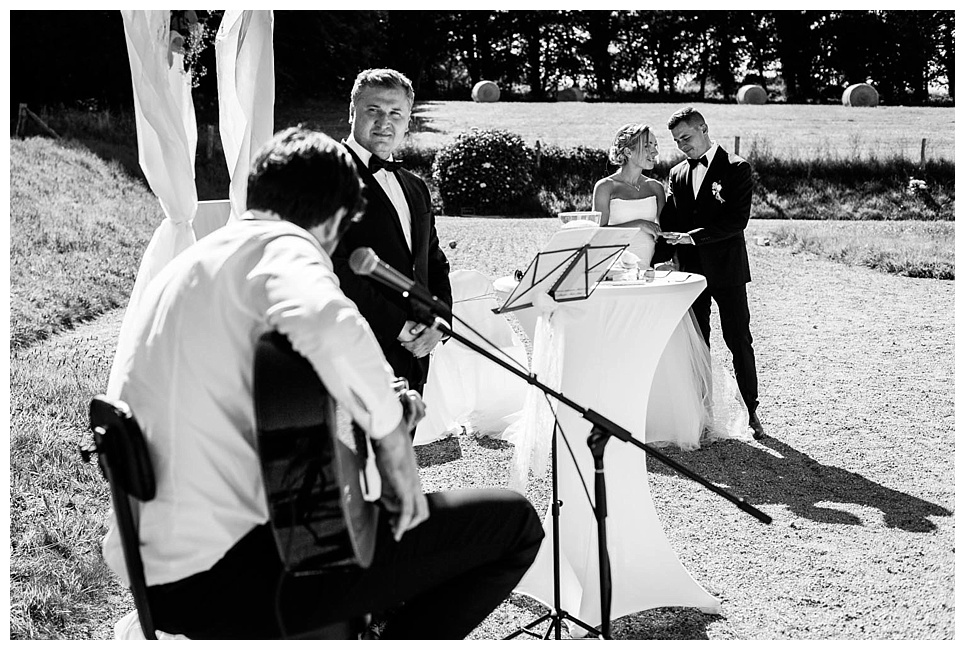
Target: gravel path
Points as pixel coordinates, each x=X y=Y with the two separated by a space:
x=857 y=377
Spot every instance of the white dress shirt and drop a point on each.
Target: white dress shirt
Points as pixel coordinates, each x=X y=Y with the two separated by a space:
x=390 y=185
x=700 y=171
x=186 y=373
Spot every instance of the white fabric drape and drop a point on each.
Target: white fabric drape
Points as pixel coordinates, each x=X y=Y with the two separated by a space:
x=246 y=94
x=532 y=433
x=167 y=138
x=464 y=388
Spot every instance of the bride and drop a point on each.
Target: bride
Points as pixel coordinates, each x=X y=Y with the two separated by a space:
x=628 y=198
x=691 y=399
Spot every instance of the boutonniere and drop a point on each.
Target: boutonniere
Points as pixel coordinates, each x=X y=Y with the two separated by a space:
x=715 y=188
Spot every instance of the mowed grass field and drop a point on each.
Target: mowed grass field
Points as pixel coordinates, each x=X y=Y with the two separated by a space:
x=791 y=131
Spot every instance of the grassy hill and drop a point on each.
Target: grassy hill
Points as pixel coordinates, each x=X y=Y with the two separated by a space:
x=78 y=228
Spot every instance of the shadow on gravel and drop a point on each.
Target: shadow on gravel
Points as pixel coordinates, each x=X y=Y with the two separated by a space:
x=786 y=476
x=438 y=452
x=665 y=623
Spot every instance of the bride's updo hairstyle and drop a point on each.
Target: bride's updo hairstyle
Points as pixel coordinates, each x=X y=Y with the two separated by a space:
x=626 y=142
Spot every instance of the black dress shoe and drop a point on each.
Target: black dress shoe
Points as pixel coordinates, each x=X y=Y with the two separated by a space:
x=756 y=425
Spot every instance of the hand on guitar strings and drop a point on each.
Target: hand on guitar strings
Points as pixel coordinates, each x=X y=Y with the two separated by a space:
x=402 y=494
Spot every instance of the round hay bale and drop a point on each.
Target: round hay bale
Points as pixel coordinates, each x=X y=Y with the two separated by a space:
x=485 y=91
x=860 y=95
x=571 y=94
x=751 y=94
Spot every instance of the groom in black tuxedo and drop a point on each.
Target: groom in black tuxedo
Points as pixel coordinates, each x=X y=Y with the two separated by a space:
x=397 y=224
x=708 y=206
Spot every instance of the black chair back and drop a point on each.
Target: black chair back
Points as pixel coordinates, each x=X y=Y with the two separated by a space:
x=123 y=457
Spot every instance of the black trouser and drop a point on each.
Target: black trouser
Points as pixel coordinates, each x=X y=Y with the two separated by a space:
x=414 y=371
x=447 y=574
x=735 y=326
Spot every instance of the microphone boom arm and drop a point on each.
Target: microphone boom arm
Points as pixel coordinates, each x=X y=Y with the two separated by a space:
x=598 y=421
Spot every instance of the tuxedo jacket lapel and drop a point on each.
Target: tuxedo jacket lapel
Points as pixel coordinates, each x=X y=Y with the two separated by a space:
x=687 y=185
x=410 y=198
x=375 y=191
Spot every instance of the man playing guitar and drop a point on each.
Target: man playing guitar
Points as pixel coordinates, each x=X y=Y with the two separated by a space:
x=442 y=562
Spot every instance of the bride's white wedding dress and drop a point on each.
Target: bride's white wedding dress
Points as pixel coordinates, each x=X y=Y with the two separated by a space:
x=692 y=398
x=624 y=210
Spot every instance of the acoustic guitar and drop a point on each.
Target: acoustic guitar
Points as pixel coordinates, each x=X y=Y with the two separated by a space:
x=309 y=464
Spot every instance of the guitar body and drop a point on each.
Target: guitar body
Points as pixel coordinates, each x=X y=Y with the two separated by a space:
x=319 y=517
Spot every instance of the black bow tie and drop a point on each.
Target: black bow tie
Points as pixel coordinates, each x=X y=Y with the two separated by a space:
x=693 y=162
x=376 y=163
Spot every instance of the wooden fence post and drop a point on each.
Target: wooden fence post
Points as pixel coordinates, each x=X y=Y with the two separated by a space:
x=737 y=145
x=25 y=114
x=923 y=141
x=20 y=120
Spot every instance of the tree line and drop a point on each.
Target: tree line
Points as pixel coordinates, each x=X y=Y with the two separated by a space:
x=70 y=57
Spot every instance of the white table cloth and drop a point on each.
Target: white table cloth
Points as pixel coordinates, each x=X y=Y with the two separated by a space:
x=611 y=352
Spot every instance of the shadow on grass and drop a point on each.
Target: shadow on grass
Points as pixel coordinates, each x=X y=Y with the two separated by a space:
x=784 y=475
x=211 y=174
x=421 y=123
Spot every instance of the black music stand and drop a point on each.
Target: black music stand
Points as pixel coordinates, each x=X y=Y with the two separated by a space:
x=570 y=266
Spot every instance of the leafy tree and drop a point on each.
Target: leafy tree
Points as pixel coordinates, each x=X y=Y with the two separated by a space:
x=797 y=49
x=669 y=34
x=530 y=27
x=80 y=57
x=414 y=40
x=600 y=28
x=761 y=46
x=915 y=39
x=319 y=53
x=69 y=57
x=849 y=53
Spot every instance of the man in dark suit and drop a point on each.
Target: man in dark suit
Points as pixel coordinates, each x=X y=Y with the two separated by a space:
x=708 y=206
x=397 y=224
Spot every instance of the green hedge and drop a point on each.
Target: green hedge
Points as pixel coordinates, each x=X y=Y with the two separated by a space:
x=486 y=172
x=858 y=188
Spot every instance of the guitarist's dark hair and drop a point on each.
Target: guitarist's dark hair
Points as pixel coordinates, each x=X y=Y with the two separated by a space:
x=305 y=177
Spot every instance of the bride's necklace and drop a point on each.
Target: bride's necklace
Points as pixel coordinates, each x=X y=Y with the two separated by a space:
x=635 y=186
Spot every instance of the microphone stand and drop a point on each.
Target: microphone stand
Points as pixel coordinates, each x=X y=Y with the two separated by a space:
x=557 y=614
x=603 y=428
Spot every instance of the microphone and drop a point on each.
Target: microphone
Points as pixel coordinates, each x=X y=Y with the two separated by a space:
x=364 y=261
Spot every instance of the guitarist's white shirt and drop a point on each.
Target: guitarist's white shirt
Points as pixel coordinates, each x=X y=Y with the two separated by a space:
x=187 y=376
